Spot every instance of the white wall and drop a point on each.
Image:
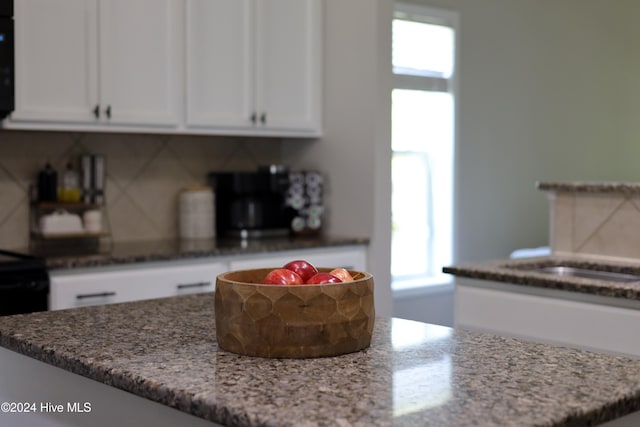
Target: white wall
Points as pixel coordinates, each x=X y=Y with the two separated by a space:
x=548 y=91
x=355 y=150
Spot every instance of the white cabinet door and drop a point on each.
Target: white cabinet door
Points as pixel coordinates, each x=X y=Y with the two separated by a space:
x=220 y=63
x=192 y=279
x=56 y=60
x=72 y=289
x=254 y=66
x=289 y=64
x=548 y=316
x=140 y=59
x=98 y=62
x=78 y=290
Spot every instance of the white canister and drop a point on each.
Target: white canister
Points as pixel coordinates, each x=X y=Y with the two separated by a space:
x=92 y=220
x=196 y=213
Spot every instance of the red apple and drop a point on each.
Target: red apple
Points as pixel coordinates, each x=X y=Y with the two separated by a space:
x=303 y=268
x=282 y=276
x=322 y=278
x=342 y=274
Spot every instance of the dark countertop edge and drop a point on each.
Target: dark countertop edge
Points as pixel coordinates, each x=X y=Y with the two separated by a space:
x=614 y=410
x=591 y=187
x=514 y=271
x=120 y=379
x=175 y=254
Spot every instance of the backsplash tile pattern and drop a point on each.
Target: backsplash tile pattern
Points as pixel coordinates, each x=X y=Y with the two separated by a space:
x=144 y=174
x=591 y=214
x=595 y=224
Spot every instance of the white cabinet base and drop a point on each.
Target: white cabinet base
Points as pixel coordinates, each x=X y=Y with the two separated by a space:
x=130 y=282
x=549 y=316
x=71 y=289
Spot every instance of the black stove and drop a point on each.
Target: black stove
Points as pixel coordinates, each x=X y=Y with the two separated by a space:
x=24 y=283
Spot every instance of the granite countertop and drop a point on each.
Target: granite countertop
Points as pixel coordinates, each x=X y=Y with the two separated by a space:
x=413 y=373
x=591 y=187
x=519 y=272
x=168 y=250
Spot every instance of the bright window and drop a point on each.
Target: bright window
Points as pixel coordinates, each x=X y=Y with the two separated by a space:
x=423 y=122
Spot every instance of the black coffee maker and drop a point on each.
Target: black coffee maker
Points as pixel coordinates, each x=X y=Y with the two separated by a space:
x=252 y=204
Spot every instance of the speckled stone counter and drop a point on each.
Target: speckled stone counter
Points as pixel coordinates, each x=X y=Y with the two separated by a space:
x=413 y=373
x=520 y=272
x=591 y=187
x=168 y=250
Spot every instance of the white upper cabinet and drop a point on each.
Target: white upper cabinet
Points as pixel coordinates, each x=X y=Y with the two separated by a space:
x=140 y=61
x=288 y=76
x=220 y=63
x=255 y=66
x=100 y=62
x=217 y=67
x=56 y=60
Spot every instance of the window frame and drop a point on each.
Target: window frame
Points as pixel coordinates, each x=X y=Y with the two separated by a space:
x=432 y=82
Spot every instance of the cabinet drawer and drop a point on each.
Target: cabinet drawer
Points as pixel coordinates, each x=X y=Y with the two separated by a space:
x=108 y=287
x=350 y=258
x=192 y=279
x=547 y=316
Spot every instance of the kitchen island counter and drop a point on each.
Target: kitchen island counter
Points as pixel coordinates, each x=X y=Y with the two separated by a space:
x=165 y=351
x=524 y=273
x=577 y=301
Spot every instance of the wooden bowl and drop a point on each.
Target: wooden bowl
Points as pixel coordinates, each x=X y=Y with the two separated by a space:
x=293 y=321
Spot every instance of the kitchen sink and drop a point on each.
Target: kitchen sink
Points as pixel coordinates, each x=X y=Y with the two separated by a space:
x=563 y=270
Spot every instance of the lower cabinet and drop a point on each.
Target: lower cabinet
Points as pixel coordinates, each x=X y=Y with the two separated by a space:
x=108 y=285
x=551 y=316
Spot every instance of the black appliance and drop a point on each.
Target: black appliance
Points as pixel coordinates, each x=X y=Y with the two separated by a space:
x=7 y=59
x=252 y=204
x=24 y=283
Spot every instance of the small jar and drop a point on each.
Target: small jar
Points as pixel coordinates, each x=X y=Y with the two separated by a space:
x=70 y=190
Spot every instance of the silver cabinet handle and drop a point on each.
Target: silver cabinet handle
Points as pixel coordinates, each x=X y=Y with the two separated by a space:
x=254 y=118
x=96 y=295
x=193 y=285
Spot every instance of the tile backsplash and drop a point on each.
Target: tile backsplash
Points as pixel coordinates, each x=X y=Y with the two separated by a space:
x=595 y=224
x=145 y=174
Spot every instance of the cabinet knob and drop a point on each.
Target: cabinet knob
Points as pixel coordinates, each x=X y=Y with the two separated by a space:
x=107 y=111
x=96 y=111
x=263 y=118
x=254 y=118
